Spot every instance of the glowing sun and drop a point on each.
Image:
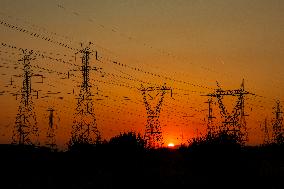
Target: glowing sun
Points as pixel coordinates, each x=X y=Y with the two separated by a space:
x=171 y=145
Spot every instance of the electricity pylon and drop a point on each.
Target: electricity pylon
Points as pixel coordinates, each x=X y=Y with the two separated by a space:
x=211 y=130
x=153 y=133
x=277 y=125
x=52 y=126
x=84 y=129
x=266 y=137
x=234 y=123
x=26 y=131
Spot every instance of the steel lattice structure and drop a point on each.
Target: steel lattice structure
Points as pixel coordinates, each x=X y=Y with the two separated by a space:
x=211 y=130
x=26 y=131
x=234 y=123
x=51 y=141
x=84 y=129
x=153 y=133
x=266 y=137
x=277 y=125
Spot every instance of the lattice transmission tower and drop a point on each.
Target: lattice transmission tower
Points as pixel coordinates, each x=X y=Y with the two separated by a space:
x=84 y=129
x=234 y=123
x=26 y=131
x=51 y=130
x=277 y=124
x=153 y=133
x=265 y=130
x=211 y=130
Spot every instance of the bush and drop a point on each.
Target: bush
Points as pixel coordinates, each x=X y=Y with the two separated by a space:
x=129 y=141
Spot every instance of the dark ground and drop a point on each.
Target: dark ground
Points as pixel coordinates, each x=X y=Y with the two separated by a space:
x=109 y=167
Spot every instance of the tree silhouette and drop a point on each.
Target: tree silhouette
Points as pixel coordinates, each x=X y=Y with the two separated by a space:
x=127 y=141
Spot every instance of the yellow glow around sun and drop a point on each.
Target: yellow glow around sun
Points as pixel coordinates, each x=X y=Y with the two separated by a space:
x=171 y=145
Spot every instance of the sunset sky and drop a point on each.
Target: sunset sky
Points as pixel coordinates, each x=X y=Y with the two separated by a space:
x=197 y=42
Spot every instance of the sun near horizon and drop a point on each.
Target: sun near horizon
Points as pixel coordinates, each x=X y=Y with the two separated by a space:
x=171 y=145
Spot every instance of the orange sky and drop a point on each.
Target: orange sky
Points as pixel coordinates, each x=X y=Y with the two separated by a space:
x=194 y=41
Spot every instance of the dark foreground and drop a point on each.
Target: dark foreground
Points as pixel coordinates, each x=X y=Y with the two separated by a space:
x=107 y=167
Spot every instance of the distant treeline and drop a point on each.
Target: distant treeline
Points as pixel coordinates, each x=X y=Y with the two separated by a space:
x=123 y=162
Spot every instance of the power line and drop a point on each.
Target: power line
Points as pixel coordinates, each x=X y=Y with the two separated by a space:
x=34 y=34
